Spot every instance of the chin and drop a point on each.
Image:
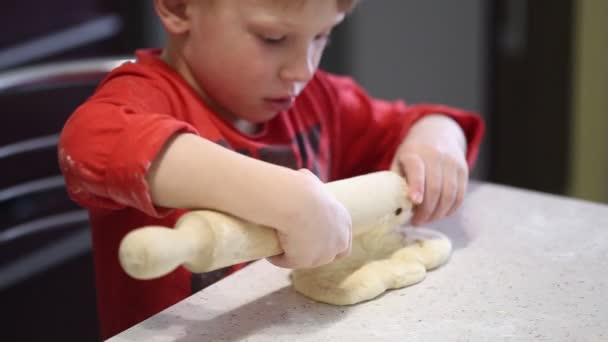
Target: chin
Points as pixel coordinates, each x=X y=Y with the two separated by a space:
x=261 y=117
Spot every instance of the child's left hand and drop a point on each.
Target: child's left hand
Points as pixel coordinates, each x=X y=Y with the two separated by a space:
x=432 y=160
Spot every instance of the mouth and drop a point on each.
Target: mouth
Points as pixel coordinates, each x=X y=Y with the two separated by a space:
x=279 y=104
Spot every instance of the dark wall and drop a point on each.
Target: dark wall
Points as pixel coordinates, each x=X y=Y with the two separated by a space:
x=531 y=98
x=33 y=31
x=46 y=270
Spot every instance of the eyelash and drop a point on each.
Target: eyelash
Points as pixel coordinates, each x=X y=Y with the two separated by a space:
x=272 y=41
x=277 y=41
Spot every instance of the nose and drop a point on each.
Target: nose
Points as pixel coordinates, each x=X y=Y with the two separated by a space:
x=300 y=67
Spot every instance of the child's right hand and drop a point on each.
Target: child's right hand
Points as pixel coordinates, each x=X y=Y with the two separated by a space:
x=313 y=227
x=319 y=231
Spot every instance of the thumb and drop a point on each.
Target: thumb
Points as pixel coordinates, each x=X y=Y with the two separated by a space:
x=413 y=170
x=280 y=260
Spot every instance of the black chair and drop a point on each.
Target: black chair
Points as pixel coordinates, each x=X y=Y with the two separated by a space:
x=46 y=271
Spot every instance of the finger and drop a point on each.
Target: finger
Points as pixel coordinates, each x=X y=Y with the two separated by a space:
x=322 y=261
x=463 y=181
x=347 y=250
x=413 y=170
x=287 y=261
x=280 y=260
x=397 y=168
x=432 y=191
x=284 y=260
x=344 y=254
x=449 y=191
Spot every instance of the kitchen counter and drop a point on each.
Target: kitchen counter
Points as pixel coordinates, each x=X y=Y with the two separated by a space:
x=526 y=266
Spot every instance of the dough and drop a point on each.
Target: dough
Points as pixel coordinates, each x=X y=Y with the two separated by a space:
x=381 y=259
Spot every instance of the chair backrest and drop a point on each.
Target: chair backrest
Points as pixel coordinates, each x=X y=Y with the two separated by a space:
x=35 y=102
x=40 y=227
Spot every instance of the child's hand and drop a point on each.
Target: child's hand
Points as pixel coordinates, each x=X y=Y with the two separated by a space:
x=319 y=231
x=432 y=160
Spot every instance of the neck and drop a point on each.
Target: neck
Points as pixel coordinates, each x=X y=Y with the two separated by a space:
x=247 y=127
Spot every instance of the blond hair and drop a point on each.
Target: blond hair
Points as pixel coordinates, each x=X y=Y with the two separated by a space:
x=342 y=5
x=345 y=6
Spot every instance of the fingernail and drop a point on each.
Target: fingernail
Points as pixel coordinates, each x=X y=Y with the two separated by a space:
x=417 y=197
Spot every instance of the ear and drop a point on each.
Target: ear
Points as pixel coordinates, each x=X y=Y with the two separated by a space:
x=173 y=14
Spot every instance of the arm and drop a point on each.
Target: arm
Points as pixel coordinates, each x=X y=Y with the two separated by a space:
x=366 y=132
x=373 y=134
x=222 y=180
x=313 y=227
x=117 y=152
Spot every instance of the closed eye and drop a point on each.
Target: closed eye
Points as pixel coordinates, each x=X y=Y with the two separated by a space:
x=272 y=40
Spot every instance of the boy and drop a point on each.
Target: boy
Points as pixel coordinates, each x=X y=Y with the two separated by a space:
x=222 y=118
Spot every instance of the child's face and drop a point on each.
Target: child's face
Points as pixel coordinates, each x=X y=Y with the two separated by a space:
x=251 y=58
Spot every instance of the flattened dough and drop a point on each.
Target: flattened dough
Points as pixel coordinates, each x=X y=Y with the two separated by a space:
x=382 y=259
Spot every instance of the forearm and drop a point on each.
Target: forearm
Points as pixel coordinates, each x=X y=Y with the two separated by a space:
x=438 y=130
x=192 y=172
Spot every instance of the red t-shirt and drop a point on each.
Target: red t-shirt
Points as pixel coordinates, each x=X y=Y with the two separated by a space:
x=334 y=129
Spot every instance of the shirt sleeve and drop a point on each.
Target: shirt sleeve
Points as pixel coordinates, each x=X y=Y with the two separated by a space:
x=107 y=145
x=367 y=131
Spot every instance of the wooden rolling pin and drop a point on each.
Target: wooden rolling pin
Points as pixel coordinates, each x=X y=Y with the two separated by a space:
x=205 y=240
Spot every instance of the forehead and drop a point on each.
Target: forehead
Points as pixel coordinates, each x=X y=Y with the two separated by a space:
x=294 y=13
x=294 y=5
x=340 y=5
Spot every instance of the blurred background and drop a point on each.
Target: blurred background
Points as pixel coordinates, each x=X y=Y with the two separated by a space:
x=537 y=71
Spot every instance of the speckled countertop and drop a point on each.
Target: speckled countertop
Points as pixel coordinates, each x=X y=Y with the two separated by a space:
x=526 y=267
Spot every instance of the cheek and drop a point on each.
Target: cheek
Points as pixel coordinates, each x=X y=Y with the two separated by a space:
x=257 y=66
